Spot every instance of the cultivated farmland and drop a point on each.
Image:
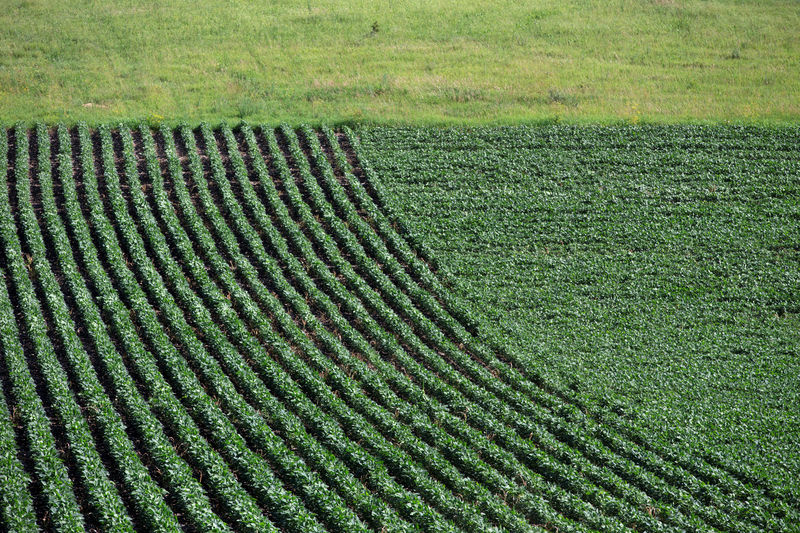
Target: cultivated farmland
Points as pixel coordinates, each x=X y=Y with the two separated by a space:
x=660 y=265
x=233 y=330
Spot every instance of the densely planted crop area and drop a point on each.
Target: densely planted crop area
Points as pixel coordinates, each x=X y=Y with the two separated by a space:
x=657 y=265
x=229 y=330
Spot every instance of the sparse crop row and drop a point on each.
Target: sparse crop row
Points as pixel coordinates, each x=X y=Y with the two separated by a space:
x=146 y=495
x=152 y=406
x=230 y=451
x=28 y=414
x=314 y=493
x=110 y=432
x=355 y=368
x=16 y=505
x=64 y=511
x=373 y=510
x=351 y=454
x=351 y=420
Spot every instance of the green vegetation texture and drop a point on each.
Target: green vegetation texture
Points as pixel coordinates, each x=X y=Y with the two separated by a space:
x=440 y=61
x=232 y=330
x=657 y=265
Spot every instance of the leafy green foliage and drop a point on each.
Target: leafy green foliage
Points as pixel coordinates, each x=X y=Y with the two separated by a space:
x=656 y=266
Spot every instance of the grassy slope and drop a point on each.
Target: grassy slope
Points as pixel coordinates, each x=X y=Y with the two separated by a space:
x=658 y=265
x=442 y=61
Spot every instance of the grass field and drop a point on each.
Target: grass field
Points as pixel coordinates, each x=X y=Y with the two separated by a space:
x=405 y=61
x=660 y=265
x=230 y=330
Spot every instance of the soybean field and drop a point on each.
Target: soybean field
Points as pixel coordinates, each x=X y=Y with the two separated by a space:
x=240 y=329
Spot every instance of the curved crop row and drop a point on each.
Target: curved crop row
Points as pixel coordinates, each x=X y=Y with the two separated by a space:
x=352 y=420
x=314 y=493
x=334 y=470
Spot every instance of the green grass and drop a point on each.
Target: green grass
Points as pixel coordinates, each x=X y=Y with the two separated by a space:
x=656 y=265
x=407 y=61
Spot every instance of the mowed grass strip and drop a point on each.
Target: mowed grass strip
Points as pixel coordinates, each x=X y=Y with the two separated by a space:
x=473 y=62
